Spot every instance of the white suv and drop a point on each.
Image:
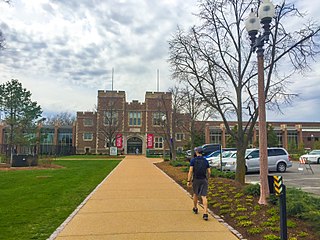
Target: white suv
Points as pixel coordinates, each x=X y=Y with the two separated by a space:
x=278 y=160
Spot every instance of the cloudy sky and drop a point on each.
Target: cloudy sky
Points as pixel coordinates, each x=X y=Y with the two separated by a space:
x=64 y=51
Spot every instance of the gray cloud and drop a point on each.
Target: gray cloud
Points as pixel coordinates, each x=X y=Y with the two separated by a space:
x=75 y=44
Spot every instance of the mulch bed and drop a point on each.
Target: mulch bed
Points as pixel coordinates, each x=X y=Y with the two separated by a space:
x=241 y=211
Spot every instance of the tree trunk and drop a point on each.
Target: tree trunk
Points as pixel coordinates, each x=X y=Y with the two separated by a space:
x=241 y=167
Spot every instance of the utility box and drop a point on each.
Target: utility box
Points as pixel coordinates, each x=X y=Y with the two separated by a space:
x=24 y=160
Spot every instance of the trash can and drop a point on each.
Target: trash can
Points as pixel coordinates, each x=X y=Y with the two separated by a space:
x=24 y=160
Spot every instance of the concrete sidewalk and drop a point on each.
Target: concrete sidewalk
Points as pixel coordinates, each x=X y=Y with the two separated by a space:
x=138 y=201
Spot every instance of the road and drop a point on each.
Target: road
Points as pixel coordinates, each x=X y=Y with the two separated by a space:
x=293 y=177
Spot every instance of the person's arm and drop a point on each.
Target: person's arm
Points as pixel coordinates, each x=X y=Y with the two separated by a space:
x=209 y=172
x=190 y=173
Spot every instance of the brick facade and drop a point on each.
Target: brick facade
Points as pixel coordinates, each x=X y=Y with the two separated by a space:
x=135 y=120
x=289 y=133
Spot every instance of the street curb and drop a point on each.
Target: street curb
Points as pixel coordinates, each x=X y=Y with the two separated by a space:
x=71 y=216
x=231 y=229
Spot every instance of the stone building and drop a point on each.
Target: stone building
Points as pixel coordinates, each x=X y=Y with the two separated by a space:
x=133 y=126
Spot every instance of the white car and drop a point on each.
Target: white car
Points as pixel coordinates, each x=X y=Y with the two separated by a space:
x=229 y=160
x=214 y=158
x=278 y=160
x=311 y=157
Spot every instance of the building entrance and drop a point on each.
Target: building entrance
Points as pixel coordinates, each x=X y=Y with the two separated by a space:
x=134 y=145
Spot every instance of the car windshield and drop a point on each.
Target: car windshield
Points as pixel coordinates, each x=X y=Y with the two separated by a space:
x=233 y=155
x=227 y=154
x=248 y=151
x=315 y=152
x=214 y=154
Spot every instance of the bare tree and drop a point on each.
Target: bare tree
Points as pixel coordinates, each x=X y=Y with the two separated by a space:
x=165 y=118
x=214 y=58
x=63 y=118
x=192 y=104
x=109 y=123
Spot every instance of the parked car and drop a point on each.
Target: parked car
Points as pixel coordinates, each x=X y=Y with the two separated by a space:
x=229 y=160
x=215 y=158
x=188 y=154
x=312 y=157
x=209 y=148
x=278 y=160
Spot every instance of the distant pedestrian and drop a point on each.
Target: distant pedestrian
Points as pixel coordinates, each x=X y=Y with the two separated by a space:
x=137 y=150
x=199 y=172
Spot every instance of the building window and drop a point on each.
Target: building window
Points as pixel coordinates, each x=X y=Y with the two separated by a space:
x=110 y=118
x=65 y=139
x=87 y=122
x=179 y=136
x=134 y=118
x=88 y=136
x=292 y=139
x=47 y=136
x=158 y=142
x=279 y=136
x=215 y=136
x=157 y=118
x=179 y=150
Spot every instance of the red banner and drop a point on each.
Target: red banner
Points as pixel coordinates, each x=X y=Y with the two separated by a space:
x=149 y=140
x=119 y=140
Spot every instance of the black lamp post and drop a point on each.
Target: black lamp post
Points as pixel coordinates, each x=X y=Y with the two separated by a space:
x=258 y=39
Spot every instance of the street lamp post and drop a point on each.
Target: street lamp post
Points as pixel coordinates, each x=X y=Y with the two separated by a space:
x=253 y=25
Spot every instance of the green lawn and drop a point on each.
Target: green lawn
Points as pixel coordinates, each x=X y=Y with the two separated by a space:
x=33 y=203
x=81 y=157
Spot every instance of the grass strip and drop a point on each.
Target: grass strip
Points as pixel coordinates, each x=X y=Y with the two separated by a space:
x=33 y=203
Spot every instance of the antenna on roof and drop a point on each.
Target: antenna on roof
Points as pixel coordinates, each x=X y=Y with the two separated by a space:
x=158 y=75
x=112 y=79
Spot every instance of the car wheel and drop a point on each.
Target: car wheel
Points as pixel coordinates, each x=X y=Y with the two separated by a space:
x=318 y=161
x=281 y=167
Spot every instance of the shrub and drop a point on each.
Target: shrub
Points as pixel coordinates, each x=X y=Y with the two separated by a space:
x=254 y=230
x=273 y=212
x=179 y=163
x=257 y=207
x=217 y=173
x=225 y=206
x=245 y=223
x=224 y=211
x=303 y=234
x=252 y=189
x=291 y=224
x=271 y=237
x=240 y=218
x=238 y=195
x=185 y=169
x=241 y=209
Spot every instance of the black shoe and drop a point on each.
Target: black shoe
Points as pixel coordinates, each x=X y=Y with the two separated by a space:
x=195 y=210
x=205 y=217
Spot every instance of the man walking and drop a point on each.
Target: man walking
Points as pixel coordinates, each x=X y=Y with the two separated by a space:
x=199 y=172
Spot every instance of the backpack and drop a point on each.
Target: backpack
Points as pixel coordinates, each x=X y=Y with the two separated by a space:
x=200 y=168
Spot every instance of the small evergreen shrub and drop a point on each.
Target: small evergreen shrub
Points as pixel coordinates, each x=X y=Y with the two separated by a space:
x=254 y=230
x=252 y=189
x=271 y=237
x=179 y=163
x=245 y=223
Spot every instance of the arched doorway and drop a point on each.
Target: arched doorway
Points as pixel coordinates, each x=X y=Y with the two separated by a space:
x=133 y=144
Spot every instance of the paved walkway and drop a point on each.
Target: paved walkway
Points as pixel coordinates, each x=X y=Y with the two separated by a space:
x=138 y=201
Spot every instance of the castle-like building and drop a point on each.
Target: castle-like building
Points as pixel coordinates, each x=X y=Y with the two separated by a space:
x=134 y=127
